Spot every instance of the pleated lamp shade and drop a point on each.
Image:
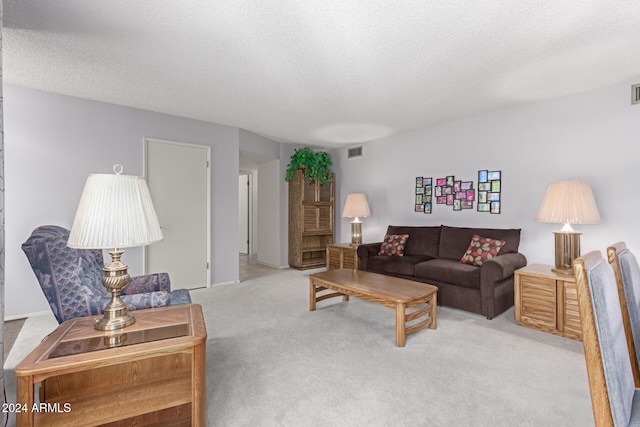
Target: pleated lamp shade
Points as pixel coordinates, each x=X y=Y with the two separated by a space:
x=115 y=211
x=568 y=202
x=356 y=206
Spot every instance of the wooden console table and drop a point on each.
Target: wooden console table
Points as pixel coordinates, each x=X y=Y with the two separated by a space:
x=152 y=372
x=547 y=301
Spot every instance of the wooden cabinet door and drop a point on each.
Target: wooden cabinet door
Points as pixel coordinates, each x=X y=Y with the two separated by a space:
x=538 y=302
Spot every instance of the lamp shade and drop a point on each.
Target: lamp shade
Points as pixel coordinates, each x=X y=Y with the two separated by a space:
x=568 y=202
x=115 y=211
x=356 y=206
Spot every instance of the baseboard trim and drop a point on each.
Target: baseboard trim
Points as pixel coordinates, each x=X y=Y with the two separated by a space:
x=277 y=267
x=231 y=282
x=25 y=315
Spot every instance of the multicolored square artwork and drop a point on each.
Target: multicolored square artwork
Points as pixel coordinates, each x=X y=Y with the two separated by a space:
x=424 y=194
x=489 y=191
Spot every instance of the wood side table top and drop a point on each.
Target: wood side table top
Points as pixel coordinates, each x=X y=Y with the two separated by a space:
x=344 y=245
x=88 y=344
x=543 y=270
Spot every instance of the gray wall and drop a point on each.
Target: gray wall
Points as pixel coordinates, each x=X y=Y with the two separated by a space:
x=591 y=136
x=53 y=142
x=255 y=151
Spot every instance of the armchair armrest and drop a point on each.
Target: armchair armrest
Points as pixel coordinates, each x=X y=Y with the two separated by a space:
x=365 y=251
x=143 y=300
x=148 y=283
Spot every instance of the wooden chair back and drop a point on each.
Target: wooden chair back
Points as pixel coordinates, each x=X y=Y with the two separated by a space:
x=605 y=346
x=627 y=272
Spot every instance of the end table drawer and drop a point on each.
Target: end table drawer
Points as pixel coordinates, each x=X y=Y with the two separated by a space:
x=547 y=301
x=342 y=255
x=538 y=305
x=334 y=257
x=571 y=311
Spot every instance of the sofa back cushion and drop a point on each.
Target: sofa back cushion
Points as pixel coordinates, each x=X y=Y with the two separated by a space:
x=454 y=241
x=422 y=240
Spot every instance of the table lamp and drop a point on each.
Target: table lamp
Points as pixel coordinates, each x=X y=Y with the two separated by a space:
x=115 y=212
x=356 y=206
x=568 y=202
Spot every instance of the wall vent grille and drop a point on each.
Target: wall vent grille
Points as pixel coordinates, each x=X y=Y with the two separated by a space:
x=635 y=94
x=354 y=152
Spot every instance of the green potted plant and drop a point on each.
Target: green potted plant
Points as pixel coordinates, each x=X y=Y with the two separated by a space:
x=314 y=163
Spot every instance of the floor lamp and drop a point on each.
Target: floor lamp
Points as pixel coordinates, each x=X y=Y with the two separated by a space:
x=568 y=202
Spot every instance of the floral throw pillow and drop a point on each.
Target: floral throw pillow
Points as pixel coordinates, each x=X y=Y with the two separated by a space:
x=393 y=245
x=481 y=250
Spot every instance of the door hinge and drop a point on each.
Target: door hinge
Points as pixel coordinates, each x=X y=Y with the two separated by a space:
x=207 y=164
x=207 y=266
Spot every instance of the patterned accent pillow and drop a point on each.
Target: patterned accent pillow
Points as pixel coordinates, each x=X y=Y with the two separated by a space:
x=393 y=245
x=481 y=250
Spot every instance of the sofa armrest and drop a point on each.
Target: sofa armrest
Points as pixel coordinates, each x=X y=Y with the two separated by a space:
x=496 y=280
x=501 y=267
x=148 y=283
x=365 y=251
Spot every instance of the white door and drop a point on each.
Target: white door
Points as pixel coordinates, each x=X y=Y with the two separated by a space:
x=178 y=178
x=243 y=212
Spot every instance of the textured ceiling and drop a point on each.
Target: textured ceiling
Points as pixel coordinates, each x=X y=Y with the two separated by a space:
x=320 y=72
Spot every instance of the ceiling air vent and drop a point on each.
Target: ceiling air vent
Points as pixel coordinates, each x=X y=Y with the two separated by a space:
x=635 y=94
x=354 y=152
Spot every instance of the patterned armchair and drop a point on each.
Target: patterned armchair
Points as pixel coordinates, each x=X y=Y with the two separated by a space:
x=71 y=279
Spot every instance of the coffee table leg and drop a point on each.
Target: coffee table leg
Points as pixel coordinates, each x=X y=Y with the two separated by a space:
x=433 y=302
x=312 y=296
x=401 y=333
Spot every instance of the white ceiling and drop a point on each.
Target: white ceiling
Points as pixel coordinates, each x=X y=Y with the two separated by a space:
x=320 y=72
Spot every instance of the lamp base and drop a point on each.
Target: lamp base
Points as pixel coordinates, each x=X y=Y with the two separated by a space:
x=107 y=324
x=115 y=278
x=356 y=233
x=566 y=271
x=115 y=316
x=567 y=249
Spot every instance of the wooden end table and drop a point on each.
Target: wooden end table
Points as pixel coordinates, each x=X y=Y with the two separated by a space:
x=547 y=301
x=152 y=372
x=342 y=255
x=393 y=292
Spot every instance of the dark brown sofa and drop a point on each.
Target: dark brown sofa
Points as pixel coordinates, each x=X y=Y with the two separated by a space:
x=432 y=255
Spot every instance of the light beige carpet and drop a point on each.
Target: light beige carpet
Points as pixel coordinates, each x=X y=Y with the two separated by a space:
x=271 y=362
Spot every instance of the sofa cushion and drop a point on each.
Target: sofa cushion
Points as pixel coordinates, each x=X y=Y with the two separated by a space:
x=448 y=271
x=393 y=245
x=422 y=240
x=394 y=265
x=454 y=241
x=481 y=249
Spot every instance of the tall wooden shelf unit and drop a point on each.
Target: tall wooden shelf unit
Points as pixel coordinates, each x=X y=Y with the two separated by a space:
x=310 y=221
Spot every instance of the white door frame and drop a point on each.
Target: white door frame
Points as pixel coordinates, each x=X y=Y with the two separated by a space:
x=249 y=217
x=208 y=231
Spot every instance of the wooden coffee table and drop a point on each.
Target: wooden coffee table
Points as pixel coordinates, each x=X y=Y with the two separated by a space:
x=389 y=291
